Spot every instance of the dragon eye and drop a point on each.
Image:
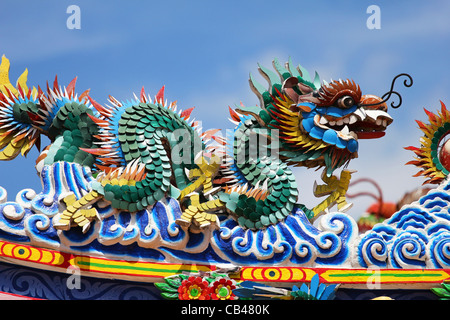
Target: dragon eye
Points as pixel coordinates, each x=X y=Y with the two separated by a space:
x=346 y=102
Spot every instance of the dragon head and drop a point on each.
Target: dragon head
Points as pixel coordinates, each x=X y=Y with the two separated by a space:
x=319 y=124
x=339 y=106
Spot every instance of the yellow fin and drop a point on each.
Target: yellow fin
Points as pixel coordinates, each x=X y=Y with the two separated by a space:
x=22 y=81
x=4 y=76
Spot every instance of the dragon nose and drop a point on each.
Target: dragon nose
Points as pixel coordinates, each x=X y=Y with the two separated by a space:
x=373 y=102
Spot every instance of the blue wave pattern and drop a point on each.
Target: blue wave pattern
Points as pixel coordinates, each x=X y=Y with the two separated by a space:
x=292 y=242
x=153 y=234
x=417 y=236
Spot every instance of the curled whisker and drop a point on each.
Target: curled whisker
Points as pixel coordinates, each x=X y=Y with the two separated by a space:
x=408 y=82
x=388 y=94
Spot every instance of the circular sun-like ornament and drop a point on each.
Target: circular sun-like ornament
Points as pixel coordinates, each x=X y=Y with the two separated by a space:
x=433 y=156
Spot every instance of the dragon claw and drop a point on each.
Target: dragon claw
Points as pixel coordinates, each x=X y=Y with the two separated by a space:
x=204 y=174
x=198 y=215
x=336 y=189
x=77 y=212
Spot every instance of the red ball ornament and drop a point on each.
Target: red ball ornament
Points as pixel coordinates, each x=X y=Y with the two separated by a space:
x=444 y=155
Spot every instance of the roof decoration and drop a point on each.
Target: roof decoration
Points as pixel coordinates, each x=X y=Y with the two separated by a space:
x=133 y=190
x=432 y=156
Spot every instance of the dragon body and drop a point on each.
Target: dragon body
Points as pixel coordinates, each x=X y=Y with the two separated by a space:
x=143 y=150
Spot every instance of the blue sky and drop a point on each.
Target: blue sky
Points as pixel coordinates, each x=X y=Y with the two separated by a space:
x=203 y=52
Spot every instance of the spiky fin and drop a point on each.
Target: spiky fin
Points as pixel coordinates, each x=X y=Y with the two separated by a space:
x=234 y=115
x=7 y=88
x=143 y=98
x=71 y=88
x=160 y=95
x=281 y=70
x=186 y=114
x=109 y=152
x=4 y=77
x=276 y=79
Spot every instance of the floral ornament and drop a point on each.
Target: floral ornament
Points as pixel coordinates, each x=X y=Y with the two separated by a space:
x=194 y=288
x=222 y=289
x=207 y=286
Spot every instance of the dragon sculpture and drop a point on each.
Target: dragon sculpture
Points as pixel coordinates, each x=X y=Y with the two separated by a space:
x=143 y=150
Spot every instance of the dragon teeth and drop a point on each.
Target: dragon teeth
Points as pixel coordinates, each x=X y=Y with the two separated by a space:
x=353 y=119
x=380 y=117
x=345 y=131
x=346 y=134
x=323 y=120
x=360 y=113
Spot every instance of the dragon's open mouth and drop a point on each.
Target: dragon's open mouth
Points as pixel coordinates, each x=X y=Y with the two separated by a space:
x=361 y=124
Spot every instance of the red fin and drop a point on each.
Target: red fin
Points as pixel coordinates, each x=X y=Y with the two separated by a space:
x=19 y=88
x=84 y=95
x=11 y=95
x=102 y=123
x=234 y=115
x=160 y=95
x=34 y=117
x=97 y=151
x=143 y=98
x=40 y=92
x=103 y=111
x=209 y=133
x=185 y=114
x=71 y=87
x=55 y=84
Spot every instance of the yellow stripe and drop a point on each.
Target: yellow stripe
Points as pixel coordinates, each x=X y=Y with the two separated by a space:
x=135 y=268
x=384 y=275
x=269 y=274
